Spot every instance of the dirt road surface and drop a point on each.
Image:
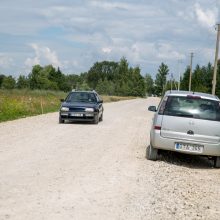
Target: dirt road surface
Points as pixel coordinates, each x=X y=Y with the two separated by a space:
x=51 y=171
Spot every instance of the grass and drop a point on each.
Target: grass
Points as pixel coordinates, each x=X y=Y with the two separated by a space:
x=16 y=104
x=115 y=98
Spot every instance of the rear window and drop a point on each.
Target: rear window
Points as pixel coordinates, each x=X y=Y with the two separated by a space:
x=191 y=107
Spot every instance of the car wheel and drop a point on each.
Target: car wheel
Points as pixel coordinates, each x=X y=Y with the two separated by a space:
x=217 y=162
x=151 y=153
x=101 y=118
x=96 y=120
x=61 y=121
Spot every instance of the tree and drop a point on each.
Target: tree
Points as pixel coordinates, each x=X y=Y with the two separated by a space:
x=58 y=78
x=198 y=80
x=111 y=78
x=161 y=79
x=33 y=77
x=122 y=78
x=83 y=86
x=116 y=78
x=218 y=80
x=101 y=71
x=208 y=75
x=8 y=82
x=102 y=87
x=72 y=81
x=1 y=79
x=43 y=78
x=137 y=85
x=22 y=82
x=184 y=84
x=149 y=84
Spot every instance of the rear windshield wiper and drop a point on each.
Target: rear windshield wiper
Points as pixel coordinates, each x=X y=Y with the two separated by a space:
x=180 y=114
x=183 y=115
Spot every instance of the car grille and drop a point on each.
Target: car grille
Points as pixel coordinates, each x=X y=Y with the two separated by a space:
x=77 y=109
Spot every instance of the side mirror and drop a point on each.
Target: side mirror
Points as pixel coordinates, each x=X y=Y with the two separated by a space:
x=100 y=101
x=152 y=108
x=62 y=100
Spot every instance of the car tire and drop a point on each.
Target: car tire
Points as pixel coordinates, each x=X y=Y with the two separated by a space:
x=61 y=121
x=101 y=118
x=217 y=162
x=151 y=153
x=96 y=120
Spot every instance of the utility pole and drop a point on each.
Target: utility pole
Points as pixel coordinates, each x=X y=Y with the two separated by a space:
x=190 y=74
x=216 y=61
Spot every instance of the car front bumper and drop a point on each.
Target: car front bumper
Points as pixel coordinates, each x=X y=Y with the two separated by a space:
x=159 y=142
x=78 y=116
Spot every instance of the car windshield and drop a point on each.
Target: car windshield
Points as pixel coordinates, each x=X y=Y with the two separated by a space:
x=81 y=97
x=192 y=107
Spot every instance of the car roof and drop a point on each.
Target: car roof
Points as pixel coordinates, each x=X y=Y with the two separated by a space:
x=185 y=93
x=83 y=91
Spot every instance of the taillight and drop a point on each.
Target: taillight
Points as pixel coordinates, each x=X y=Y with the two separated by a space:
x=156 y=127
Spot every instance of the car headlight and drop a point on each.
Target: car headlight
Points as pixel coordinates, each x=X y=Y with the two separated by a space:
x=64 y=109
x=89 y=109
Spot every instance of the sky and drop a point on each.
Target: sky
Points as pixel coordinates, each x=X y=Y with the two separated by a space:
x=74 y=34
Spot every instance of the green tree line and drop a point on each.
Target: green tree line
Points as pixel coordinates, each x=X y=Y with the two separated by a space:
x=107 y=78
x=113 y=78
x=201 y=80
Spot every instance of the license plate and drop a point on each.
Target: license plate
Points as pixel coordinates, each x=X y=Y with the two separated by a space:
x=189 y=147
x=89 y=115
x=64 y=114
x=77 y=115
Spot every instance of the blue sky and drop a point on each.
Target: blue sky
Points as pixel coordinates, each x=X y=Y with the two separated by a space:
x=74 y=34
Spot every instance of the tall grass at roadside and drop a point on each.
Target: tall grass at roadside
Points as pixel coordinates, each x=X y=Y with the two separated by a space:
x=16 y=104
x=22 y=103
x=115 y=98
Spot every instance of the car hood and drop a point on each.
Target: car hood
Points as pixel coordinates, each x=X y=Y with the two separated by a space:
x=78 y=104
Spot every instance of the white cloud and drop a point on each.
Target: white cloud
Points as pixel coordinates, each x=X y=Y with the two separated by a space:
x=83 y=32
x=206 y=18
x=29 y=62
x=111 y=5
x=209 y=53
x=43 y=55
x=5 y=60
x=106 y=50
x=166 y=51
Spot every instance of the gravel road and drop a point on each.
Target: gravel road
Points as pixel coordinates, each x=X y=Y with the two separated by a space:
x=83 y=171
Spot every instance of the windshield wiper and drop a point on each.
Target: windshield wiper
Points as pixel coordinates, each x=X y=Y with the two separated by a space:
x=183 y=115
x=178 y=113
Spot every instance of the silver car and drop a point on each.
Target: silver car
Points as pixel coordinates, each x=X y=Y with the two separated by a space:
x=186 y=122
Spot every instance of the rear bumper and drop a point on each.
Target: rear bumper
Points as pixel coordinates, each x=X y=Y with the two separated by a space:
x=169 y=144
x=78 y=116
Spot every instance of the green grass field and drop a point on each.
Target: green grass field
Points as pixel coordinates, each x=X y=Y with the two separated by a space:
x=22 y=103
x=16 y=104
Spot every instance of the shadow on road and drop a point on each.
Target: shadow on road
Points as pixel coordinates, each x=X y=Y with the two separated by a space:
x=79 y=122
x=186 y=160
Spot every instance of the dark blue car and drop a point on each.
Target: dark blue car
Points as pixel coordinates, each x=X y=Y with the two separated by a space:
x=81 y=106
